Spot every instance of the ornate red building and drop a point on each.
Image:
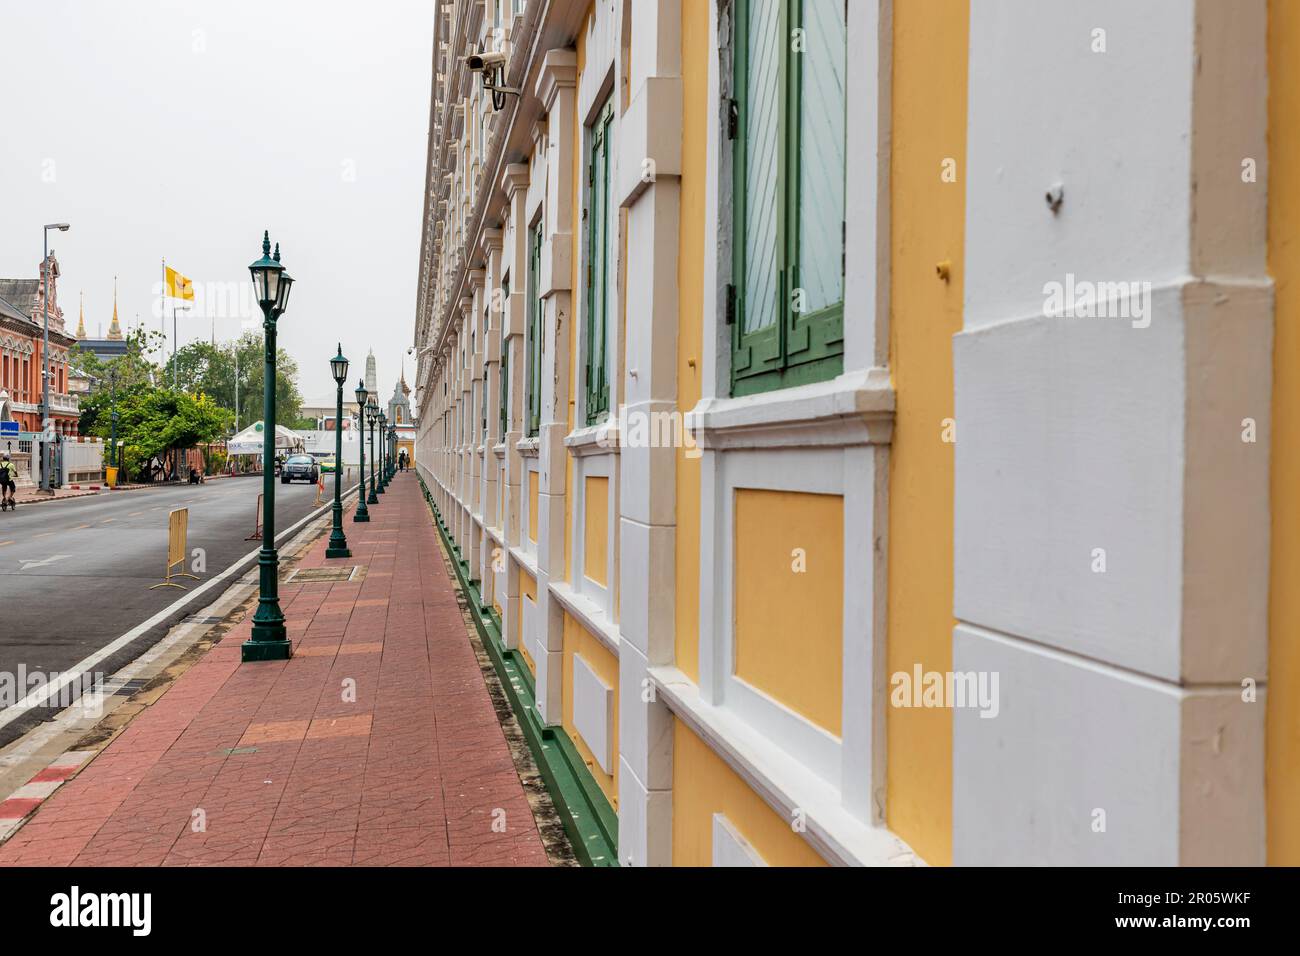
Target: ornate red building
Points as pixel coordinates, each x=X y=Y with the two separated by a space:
x=22 y=317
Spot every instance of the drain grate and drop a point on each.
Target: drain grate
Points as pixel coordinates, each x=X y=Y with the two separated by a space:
x=199 y=619
x=318 y=575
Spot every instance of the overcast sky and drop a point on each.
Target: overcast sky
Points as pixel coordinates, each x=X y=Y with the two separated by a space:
x=181 y=130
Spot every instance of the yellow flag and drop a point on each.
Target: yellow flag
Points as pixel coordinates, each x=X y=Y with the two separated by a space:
x=179 y=287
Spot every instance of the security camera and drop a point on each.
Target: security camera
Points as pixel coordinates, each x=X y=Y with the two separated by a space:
x=487 y=60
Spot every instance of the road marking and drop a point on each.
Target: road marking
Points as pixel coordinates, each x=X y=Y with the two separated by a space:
x=107 y=520
x=134 y=513
x=43 y=693
x=43 y=534
x=80 y=526
x=3 y=543
x=29 y=563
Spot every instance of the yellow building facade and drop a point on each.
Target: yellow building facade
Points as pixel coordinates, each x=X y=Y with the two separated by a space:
x=803 y=524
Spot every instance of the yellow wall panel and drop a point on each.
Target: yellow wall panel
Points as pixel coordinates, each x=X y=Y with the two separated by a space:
x=703 y=785
x=577 y=640
x=690 y=323
x=927 y=227
x=1282 y=736
x=595 y=562
x=789 y=599
x=527 y=588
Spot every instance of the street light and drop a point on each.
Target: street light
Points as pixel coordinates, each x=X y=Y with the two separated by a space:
x=372 y=410
x=383 y=447
x=338 y=546
x=270 y=641
x=392 y=450
x=47 y=424
x=362 y=513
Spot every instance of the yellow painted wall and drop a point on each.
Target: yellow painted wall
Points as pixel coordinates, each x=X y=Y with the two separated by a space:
x=532 y=505
x=527 y=589
x=690 y=323
x=927 y=227
x=595 y=524
x=704 y=785
x=577 y=640
x=789 y=593
x=1282 y=739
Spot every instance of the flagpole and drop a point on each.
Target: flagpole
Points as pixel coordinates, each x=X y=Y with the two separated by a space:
x=175 y=374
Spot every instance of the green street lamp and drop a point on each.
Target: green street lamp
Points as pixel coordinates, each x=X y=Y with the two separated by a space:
x=372 y=412
x=392 y=451
x=338 y=546
x=384 y=477
x=270 y=642
x=362 y=512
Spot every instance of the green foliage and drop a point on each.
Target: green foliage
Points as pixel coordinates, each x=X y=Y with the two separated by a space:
x=153 y=423
x=203 y=367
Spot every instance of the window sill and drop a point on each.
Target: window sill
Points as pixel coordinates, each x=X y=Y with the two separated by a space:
x=528 y=447
x=856 y=408
x=524 y=560
x=782 y=782
x=589 y=614
x=601 y=439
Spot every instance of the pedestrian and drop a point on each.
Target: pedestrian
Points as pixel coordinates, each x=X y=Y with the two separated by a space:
x=8 y=482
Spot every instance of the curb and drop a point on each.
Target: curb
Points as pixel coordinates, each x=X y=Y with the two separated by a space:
x=22 y=802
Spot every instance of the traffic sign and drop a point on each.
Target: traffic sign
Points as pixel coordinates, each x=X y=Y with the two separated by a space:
x=8 y=429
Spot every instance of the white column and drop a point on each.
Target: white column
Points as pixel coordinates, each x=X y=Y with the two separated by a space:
x=1111 y=526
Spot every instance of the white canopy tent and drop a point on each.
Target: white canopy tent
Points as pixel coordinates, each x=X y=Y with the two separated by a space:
x=249 y=441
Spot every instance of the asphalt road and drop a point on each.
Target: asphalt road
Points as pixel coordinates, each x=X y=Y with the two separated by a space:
x=75 y=575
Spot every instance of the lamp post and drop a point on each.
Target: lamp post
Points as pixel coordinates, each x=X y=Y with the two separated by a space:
x=112 y=438
x=269 y=641
x=383 y=447
x=47 y=424
x=338 y=546
x=372 y=410
x=392 y=452
x=362 y=513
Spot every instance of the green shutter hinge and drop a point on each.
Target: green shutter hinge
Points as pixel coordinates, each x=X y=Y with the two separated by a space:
x=731 y=305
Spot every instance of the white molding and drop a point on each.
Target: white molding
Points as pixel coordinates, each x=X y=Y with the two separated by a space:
x=590 y=615
x=857 y=408
x=783 y=783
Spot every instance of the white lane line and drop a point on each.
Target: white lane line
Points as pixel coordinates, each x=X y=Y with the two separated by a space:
x=39 y=696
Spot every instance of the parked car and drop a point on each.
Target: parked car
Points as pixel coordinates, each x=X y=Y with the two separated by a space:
x=299 y=468
x=326 y=463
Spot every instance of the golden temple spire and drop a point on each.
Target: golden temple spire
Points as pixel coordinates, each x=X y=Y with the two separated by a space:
x=115 y=330
x=81 y=319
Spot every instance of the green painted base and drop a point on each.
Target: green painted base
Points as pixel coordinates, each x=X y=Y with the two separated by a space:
x=360 y=518
x=588 y=818
x=338 y=553
x=253 y=650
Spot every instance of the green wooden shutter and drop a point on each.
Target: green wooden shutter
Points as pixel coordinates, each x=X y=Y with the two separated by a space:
x=533 y=341
x=505 y=358
x=815 y=333
x=758 y=181
x=788 y=204
x=598 y=272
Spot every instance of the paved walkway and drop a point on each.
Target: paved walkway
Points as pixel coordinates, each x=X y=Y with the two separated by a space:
x=377 y=744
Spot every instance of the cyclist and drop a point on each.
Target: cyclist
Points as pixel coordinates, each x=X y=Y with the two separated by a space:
x=8 y=482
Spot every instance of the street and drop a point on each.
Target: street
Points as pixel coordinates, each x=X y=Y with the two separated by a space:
x=76 y=575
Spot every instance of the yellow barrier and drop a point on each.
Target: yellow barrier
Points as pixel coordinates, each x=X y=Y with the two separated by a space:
x=257 y=521
x=178 y=526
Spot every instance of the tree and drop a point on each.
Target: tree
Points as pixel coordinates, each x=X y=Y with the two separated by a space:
x=203 y=367
x=125 y=374
x=154 y=423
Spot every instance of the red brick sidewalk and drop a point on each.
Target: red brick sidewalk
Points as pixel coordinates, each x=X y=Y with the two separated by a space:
x=416 y=771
